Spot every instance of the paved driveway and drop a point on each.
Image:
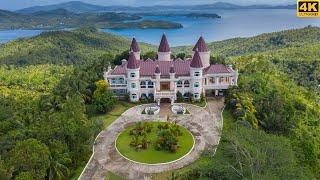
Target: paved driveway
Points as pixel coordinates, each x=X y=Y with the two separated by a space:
x=204 y=123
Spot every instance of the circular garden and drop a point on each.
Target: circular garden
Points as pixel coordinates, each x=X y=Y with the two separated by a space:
x=154 y=142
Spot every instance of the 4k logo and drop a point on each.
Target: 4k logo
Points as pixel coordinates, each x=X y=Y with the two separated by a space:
x=308 y=8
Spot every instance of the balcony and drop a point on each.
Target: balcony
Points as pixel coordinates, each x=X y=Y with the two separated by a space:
x=164 y=94
x=118 y=85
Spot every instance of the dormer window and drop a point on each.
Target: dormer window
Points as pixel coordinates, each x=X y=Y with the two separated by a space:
x=197 y=74
x=133 y=75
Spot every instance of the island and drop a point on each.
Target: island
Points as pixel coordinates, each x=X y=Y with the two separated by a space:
x=146 y=24
x=63 y=19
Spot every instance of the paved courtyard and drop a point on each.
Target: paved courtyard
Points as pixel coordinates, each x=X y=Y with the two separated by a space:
x=204 y=123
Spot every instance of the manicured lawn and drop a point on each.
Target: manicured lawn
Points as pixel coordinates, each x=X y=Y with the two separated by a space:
x=227 y=120
x=111 y=116
x=201 y=104
x=151 y=155
x=107 y=119
x=112 y=176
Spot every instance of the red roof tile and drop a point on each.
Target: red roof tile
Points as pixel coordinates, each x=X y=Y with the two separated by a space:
x=164 y=45
x=134 y=46
x=216 y=69
x=182 y=68
x=201 y=45
x=196 y=60
x=132 y=61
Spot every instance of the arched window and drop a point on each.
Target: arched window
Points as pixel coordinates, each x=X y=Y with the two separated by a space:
x=150 y=84
x=179 y=84
x=134 y=96
x=186 y=83
x=151 y=96
x=144 y=96
x=143 y=84
x=196 y=84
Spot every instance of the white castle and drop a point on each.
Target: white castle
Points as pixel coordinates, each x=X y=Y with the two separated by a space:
x=164 y=77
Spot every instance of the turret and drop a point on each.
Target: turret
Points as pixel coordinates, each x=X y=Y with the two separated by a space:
x=133 y=76
x=196 y=75
x=164 y=52
x=135 y=48
x=157 y=73
x=204 y=52
x=172 y=73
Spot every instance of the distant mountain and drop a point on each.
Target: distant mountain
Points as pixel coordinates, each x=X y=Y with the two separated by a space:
x=72 y=6
x=81 y=7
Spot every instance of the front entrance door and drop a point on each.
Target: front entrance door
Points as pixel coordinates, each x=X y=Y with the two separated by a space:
x=164 y=86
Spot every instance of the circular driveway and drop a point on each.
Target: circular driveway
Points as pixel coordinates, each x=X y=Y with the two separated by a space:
x=204 y=123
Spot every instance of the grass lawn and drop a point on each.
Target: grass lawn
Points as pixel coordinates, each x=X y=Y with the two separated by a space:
x=201 y=104
x=151 y=155
x=111 y=116
x=112 y=176
x=107 y=119
x=227 y=120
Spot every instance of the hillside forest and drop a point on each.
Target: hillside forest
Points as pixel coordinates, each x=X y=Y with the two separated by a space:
x=51 y=93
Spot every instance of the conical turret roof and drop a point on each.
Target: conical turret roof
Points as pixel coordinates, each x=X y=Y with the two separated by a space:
x=164 y=45
x=201 y=45
x=132 y=61
x=196 y=60
x=134 y=45
x=157 y=71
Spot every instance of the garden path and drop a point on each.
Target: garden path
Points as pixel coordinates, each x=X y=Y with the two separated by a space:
x=204 y=123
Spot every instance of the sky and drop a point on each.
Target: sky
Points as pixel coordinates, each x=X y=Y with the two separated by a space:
x=19 y=4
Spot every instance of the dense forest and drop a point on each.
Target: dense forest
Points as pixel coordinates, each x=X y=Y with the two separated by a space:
x=50 y=89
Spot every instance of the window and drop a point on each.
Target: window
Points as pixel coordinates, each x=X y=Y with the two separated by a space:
x=143 y=84
x=133 y=85
x=197 y=74
x=151 y=96
x=196 y=95
x=150 y=84
x=212 y=80
x=221 y=79
x=186 y=83
x=133 y=75
x=179 y=84
x=196 y=84
x=121 y=80
x=134 y=96
x=228 y=79
x=113 y=81
x=144 y=96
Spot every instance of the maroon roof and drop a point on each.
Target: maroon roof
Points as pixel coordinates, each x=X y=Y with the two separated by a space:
x=216 y=69
x=148 y=68
x=182 y=68
x=132 y=61
x=201 y=45
x=196 y=60
x=134 y=46
x=157 y=71
x=164 y=45
x=172 y=69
